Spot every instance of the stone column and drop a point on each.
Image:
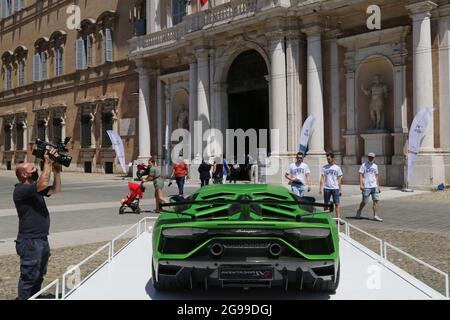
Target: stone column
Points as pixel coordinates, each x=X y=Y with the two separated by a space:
x=315 y=88
x=423 y=64
x=159 y=115
x=335 y=98
x=444 y=79
x=144 y=105
x=316 y=153
x=92 y=121
x=293 y=91
x=400 y=114
x=203 y=94
x=212 y=90
x=193 y=94
x=10 y=127
x=46 y=121
x=278 y=105
x=352 y=139
x=429 y=166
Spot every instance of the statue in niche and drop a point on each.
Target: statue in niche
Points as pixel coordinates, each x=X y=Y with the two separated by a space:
x=378 y=92
x=182 y=118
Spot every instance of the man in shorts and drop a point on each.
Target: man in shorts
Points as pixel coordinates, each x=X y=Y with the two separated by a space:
x=369 y=184
x=299 y=176
x=331 y=183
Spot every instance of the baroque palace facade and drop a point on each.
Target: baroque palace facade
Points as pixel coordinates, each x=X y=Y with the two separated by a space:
x=62 y=81
x=268 y=64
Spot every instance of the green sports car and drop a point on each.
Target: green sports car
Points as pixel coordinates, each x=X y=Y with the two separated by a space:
x=245 y=236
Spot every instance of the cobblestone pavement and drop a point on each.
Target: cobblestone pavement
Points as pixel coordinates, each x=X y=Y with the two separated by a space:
x=85 y=213
x=425 y=212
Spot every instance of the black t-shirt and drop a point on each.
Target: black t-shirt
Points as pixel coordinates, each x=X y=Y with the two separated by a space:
x=34 y=219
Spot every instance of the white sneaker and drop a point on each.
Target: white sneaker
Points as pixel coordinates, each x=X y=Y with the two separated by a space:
x=377 y=218
x=358 y=214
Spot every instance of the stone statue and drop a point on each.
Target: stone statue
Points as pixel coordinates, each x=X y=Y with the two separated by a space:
x=182 y=118
x=378 y=92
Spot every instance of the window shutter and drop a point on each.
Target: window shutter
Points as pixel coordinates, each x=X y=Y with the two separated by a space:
x=108 y=45
x=88 y=51
x=81 y=58
x=58 y=62
x=5 y=8
x=21 y=73
x=17 y=5
x=36 y=67
x=61 y=61
x=43 y=66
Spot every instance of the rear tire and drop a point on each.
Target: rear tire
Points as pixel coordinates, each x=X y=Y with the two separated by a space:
x=166 y=285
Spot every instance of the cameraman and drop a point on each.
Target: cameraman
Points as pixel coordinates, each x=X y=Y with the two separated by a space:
x=34 y=221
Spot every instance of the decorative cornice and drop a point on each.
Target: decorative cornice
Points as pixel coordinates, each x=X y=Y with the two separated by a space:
x=380 y=37
x=424 y=7
x=444 y=11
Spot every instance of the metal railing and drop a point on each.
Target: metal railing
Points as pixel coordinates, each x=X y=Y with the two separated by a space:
x=387 y=245
x=45 y=289
x=76 y=268
x=380 y=241
x=384 y=245
x=139 y=228
x=233 y=10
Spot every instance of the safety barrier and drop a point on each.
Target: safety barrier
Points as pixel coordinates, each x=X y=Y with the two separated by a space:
x=142 y=226
x=383 y=254
x=45 y=289
x=110 y=248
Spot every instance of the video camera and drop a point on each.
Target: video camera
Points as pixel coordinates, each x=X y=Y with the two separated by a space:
x=63 y=157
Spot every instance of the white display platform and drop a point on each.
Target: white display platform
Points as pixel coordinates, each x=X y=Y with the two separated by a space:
x=364 y=275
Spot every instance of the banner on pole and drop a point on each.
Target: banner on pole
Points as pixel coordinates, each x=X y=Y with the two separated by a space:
x=307 y=131
x=416 y=135
x=118 y=147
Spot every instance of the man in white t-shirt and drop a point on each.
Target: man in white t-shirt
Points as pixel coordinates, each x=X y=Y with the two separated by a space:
x=331 y=183
x=299 y=176
x=369 y=184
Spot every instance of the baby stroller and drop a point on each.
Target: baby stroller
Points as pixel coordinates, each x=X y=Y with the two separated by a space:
x=132 y=199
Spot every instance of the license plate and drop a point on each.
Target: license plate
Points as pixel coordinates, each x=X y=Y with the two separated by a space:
x=246 y=274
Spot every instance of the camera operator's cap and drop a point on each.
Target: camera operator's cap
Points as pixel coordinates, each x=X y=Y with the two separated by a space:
x=371 y=155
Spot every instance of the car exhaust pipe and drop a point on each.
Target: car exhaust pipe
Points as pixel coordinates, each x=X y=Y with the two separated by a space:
x=216 y=250
x=275 y=250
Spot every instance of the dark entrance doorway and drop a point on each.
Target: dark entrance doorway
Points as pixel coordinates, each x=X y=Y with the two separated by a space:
x=248 y=99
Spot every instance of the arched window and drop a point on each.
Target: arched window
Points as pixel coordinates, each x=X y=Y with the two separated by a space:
x=105 y=22
x=57 y=42
x=20 y=55
x=40 y=60
x=84 y=45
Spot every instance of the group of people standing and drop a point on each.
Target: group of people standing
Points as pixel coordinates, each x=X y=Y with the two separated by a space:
x=219 y=172
x=299 y=176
